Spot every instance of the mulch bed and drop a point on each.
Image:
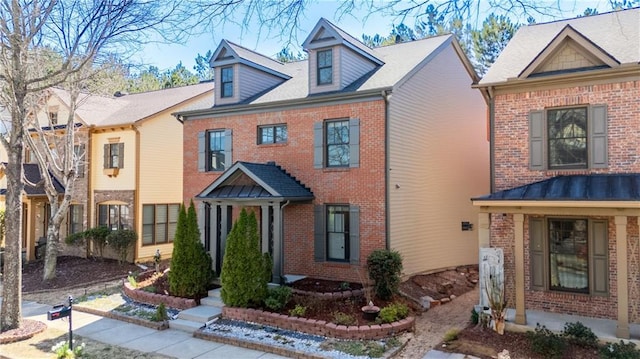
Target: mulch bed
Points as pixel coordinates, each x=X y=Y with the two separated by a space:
x=486 y=344
x=73 y=272
x=28 y=329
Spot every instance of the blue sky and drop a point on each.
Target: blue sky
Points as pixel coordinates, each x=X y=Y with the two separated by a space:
x=166 y=56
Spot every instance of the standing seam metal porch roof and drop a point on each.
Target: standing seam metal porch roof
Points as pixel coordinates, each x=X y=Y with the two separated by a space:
x=595 y=187
x=270 y=182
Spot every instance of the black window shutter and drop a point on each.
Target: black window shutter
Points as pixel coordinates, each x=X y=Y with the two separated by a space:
x=536 y=240
x=598 y=137
x=536 y=140
x=319 y=234
x=107 y=162
x=228 y=149
x=318 y=145
x=599 y=262
x=201 y=152
x=354 y=234
x=354 y=143
x=121 y=155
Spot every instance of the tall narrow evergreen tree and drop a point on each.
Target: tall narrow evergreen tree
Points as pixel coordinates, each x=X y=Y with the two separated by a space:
x=243 y=280
x=190 y=264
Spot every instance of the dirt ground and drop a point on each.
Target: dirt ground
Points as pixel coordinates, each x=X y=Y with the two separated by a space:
x=431 y=325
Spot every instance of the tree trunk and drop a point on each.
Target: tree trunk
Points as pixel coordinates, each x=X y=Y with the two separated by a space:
x=11 y=311
x=51 y=253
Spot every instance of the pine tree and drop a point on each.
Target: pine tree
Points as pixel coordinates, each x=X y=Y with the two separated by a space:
x=243 y=277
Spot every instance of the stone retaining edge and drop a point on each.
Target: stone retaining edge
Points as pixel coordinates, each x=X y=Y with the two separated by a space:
x=125 y=318
x=157 y=299
x=320 y=327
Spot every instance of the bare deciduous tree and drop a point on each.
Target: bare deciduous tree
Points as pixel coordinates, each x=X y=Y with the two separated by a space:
x=79 y=32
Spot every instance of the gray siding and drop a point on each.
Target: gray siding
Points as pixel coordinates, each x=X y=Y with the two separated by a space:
x=252 y=81
x=353 y=66
x=438 y=160
x=313 y=72
x=227 y=100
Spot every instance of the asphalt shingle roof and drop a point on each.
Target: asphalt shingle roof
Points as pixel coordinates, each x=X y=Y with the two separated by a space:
x=272 y=181
x=104 y=111
x=32 y=173
x=617 y=33
x=595 y=187
x=399 y=61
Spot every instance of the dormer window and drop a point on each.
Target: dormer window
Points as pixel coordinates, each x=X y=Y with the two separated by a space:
x=226 y=85
x=325 y=67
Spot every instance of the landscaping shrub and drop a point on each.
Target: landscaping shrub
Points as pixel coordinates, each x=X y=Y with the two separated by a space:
x=384 y=268
x=190 y=273
x=620 y=350
x=579 y=334
x=451 y=335
x=243 y=276
x=161 y=314
x=298 y=311
x=546 y=343
x=341 y=318
x=97 y=236
x=121 y=241
x=277 y=298
x=392 y=313
x=475 y=317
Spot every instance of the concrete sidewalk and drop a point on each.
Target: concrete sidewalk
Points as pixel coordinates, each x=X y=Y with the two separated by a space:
x=169 y=342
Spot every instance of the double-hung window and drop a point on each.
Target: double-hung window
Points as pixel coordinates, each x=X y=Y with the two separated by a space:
x=325 y=67
x=568 y=138
x=569 y=255
x=226 y=82
x=75 y=218
x=114 y=155
x=159 y=223
x=272 y=134
x=113 y=216
x=215 y=150
x=337 y=140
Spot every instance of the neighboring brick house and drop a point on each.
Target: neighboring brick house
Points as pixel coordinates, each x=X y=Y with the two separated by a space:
x=132 y=174
x=352 y=150
x=565 y=199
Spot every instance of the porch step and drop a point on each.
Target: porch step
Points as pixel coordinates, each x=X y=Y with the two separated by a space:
x=185 y=325
x=211 y=302
x=200 y=314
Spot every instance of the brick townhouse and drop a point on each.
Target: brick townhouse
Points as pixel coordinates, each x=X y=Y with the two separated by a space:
x=565 y=199
x=352 y=150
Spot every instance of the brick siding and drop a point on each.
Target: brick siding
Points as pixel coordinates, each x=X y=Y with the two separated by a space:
x=363 y=186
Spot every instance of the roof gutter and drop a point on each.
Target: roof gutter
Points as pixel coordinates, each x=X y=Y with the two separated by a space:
x=341 y=97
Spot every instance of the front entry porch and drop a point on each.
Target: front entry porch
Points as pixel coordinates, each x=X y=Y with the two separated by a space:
x=266 y=189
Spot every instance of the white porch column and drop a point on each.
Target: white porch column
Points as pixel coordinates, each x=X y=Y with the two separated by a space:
x=518 y=219
x=484 y=233
x=265 y=228
x=622 y=330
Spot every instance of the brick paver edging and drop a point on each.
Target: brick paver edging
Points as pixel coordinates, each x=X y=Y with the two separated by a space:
x=156 y=299
x=331 y=295
x=125 y=318
x=320 y=327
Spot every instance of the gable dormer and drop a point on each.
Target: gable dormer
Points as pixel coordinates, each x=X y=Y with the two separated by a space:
x=336 y=59
x=241 y=74
x=569 y=51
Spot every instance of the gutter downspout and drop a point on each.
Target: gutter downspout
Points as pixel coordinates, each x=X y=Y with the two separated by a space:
x=492 y=114
x=281 y=269
x=89 y=173
x=386 y=95
x=136 y=195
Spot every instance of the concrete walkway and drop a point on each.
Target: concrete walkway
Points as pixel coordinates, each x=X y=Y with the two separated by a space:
x=169 y=342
